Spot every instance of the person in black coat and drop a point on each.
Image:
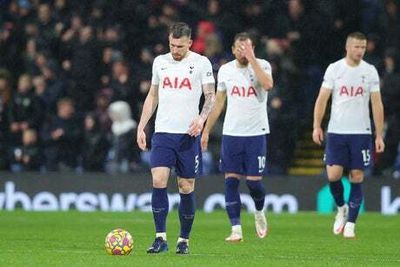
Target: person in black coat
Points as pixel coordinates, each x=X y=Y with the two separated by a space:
x=62 y=137
x=95 y=145
x=29 y=156
x=25 y=110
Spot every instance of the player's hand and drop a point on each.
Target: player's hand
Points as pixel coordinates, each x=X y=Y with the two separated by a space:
x=141 y=140
x=318 y=136
x=247 y=50
x=379 y=144
x=204 y=141
x=196 y=126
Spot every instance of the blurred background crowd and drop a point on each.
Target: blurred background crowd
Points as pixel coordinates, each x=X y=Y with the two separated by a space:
x=74 y=73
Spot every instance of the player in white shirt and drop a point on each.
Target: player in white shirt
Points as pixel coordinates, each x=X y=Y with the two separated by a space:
x=179 y=79
x=244 y=82
x=353 y=84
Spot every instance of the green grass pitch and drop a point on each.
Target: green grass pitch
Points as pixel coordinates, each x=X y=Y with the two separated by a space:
x=303 y=239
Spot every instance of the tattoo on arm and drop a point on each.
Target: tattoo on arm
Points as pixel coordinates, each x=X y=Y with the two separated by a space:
x=209 y=99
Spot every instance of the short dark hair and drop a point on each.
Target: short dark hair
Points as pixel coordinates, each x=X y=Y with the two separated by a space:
x=180 y=29
x=357 y=35
x=243 y=36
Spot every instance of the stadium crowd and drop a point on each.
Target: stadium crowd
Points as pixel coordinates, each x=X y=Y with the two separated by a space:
x=74 y=73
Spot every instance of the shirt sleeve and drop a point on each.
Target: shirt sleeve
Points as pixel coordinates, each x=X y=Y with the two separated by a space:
x=328 y=82
x=374 y=81
x=221 y=80
x=266 y=66
x=207 y=73
x=155 y=79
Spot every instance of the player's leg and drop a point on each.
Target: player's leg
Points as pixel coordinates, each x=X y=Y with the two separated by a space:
x=160 y=206
x=233 y=205
x=335 y=173
x=188 y=166
x=257 y=192
x=356 y=197
x=187 y=209
x=162 y=157
x=231 y=164
x=360 y=146
x=337 y=156
x=254 y=168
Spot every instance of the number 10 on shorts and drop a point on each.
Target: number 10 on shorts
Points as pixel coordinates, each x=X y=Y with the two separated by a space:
x=261 y=163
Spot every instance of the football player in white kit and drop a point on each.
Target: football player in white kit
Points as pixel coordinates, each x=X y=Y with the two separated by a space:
x=244 y=82
x=179 y=79
x=353 y=84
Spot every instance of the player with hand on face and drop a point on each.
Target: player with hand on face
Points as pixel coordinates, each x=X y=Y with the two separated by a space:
x=245 y=83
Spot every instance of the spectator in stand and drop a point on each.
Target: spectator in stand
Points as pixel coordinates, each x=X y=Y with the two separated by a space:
x=25 y=110
x=373 y=53
x=95 y=145
x=391 y=24
x=62 y=137
x=109 y=56
x=124 y=154
x=84 y=64
x=214 y=52
x=204 y=29
x=124 y=86
x=142 y=70
x=46 y=24
x=103 y=100
x=27 y=157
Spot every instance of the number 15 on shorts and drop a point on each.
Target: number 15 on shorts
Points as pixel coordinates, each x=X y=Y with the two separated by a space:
x=366 y=156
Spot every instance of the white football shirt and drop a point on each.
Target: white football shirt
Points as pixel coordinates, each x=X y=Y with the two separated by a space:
x=246 y=112
x=179 y=90
x=351 y=88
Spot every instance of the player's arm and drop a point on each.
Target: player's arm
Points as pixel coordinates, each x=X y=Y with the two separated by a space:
x=149 y=106
x=212 y=118
x=378 y=116
x=319 y=112
x=209 y=98
x=264 y=78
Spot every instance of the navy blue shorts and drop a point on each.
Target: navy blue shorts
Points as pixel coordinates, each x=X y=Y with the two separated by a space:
x=352 y=151
x=181 y=151
x=243 y=155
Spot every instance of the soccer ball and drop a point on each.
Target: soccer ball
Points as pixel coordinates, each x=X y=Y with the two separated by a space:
x=118 y=242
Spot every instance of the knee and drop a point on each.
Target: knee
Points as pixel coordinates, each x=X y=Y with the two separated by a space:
x=186 y=186
x=356 y=176
x=334 y=173
x=159 y=182
x=334 y=178
x=160 y=177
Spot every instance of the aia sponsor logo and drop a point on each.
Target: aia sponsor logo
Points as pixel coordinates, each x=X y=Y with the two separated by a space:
x=176 y=83
x=351 y=91
x=243 y=91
